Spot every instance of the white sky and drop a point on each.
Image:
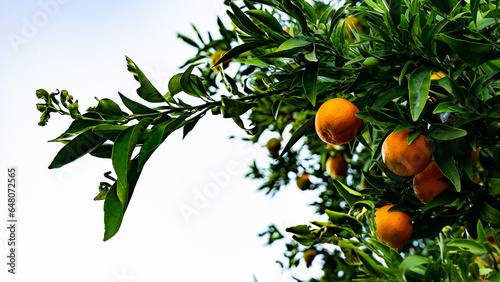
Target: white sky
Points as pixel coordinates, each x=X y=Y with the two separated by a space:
x=80 y=46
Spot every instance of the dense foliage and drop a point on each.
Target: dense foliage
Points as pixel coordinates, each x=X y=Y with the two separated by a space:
x=427 y=65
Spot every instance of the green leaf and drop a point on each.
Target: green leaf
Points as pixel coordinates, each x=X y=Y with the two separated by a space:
x=104 y=151
x=242 y=21
x=234 y=108
x=388 y=96
x=188 y=40
x=266 y=18
x=307 y=127
x=310 y=81
x=174 y=84
x=351 y=196
x=410 y=263
x=113 y=213
x=344 y=220
x=189 y=125
x=189 y=83
x=489 y=163
x=444 y=5
x=481 y=232
x=122 y=152
x=240 y=49
x=108 y=106
x=109 y=131
x=418 y=86
x=135 y=107
x=146 y=91
x=76 y=148
x=76 y=127
x=302 y=230
x=443 y=155
x=446 y=132
x=473 y=53
x=493 y=186
x=445 y=197
x=467 y=244
x=370 y=265
x=489 y=213
x=294 y=42
x=157 y=135
x=395 y=12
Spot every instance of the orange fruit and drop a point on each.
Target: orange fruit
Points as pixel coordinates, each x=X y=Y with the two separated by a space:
x=404 y=159
x=216 y=56
x=273 y=145
x=303 y=181
x=428 y=185
x=351 y=23
x=336 y=123
x=336 y=166
x=393 y=228
x=437 y=75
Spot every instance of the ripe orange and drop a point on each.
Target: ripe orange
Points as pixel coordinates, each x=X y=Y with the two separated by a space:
x=336 y=123
x=216 y=56
x=351 y=23
x=404 y=159
x=336 y=166
x=428 y=185
x=393 y=228
x=437 y=75
x=303 y=181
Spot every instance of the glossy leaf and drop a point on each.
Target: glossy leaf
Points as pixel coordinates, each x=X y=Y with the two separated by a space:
x=136 y=107
x=76 y=148
x=122 y=153
x=294 y=42
x=234 y=108
x=240 y=49
x=351 y=196
x=443 y=155
x=109 y=131
x=266 y=18
x=157 y=135
x=307 y=127
x=446 y=132
x=103 y=151
x=76 y=127
x=243 y=22
x=418 y=86
x=474 y=53
x=310 y=81
x=146 y=91
x=113 y=213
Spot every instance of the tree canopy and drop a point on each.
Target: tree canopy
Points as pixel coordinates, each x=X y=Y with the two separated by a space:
x=427 y=68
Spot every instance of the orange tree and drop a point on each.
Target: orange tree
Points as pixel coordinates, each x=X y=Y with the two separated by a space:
x=426 y=70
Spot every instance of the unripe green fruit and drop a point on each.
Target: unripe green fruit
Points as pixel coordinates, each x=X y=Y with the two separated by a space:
x=273 y=146
x=371 y=61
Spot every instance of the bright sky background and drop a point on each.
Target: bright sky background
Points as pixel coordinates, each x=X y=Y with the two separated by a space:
x=80 y=46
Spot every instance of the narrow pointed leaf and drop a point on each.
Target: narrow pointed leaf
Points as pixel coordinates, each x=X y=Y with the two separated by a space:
x=418 y=87
x=113 y=213
x=310 y=81
x=136 y=107
x=122 y=153
x=76 y=148
x=146 y=91
x=307 y=127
